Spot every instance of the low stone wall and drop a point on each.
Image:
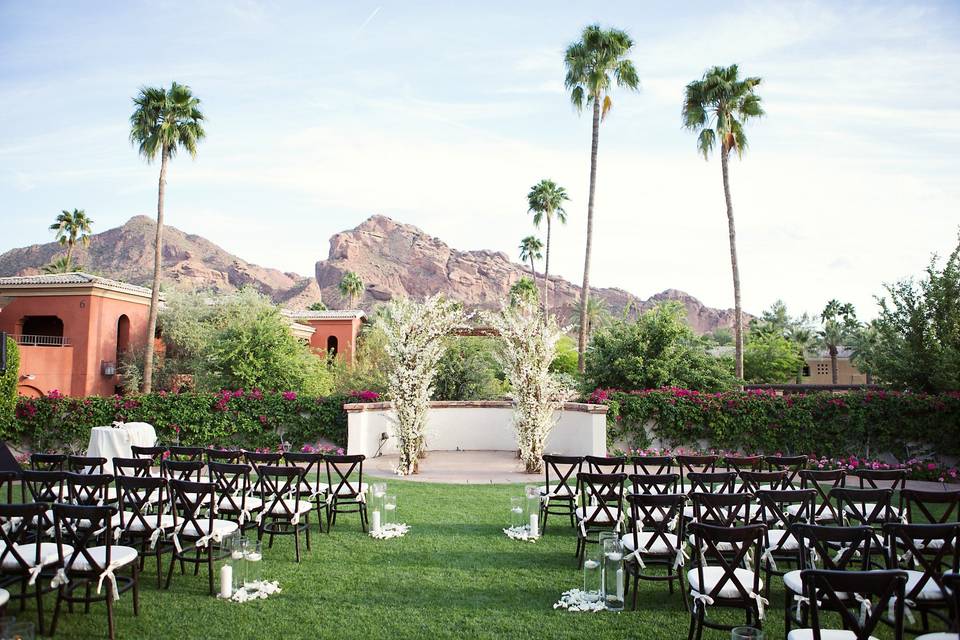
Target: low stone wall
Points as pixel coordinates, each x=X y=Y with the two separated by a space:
x=478 y=426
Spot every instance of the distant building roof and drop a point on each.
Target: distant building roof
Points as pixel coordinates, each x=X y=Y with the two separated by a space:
x=77 y=279
x=843 y=353
x=330 y=314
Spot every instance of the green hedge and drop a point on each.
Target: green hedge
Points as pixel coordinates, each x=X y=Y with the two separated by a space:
x=822 y=424
x=249 y=419
x=8 y=384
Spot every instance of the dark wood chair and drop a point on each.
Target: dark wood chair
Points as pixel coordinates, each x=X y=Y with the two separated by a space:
x=314 y=484
x=652 y=465
x=347 y=491
x=708 y=482
x=656 y=537
x=185 y=454
x=156 y=455
x=558 y=495
x=48 y=461
x=88 y=564
x=230 y=456
x=781 y=547
x=893 y=479
x=284 y=513
x=823 y=482
x=194 y=531
x=86 y=464
x=869 y=508
x=234 y=500
x=793 y=465
x=931 y=507
x=879 y=593
x=601 y=499
x=952 y=581
x=605 y=464
x=688 y=464
x=145 y=516
x=754 y=481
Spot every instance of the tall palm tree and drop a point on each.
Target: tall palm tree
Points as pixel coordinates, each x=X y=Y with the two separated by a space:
x=545 y=201
x=351 y=287
x=596 y=316
x=72 y=227
x=717 y=107
x=593 y=63
x=163 y=122
x=839 y=327
x=530 y=249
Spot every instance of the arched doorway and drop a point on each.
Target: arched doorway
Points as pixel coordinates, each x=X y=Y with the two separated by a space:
x=332 y=344
x=123 y=336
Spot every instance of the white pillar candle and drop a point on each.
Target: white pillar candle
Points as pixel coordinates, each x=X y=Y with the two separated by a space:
x=375 y=521
x=620 y=584
x=226 y=581
x=534 y=524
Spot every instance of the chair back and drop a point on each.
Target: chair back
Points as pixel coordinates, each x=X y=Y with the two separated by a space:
x=154 y=454
x=233 y=487
x=932 y=507
x=45 y=486
x=605 y=464
x=893 y=479
x=694 y=464
x=650 y=484
x=187 y=470
x=7 y=479
x=47 y=461
x=774 y=511
x=652 y=465
x=88 y=489
x=824 y=481
x=561 y=474
x=722 y=509
x=143 y=501
x=232 y=456
x=754 y=481
x=833 y=548
x=929 y=548
x=659 y=517
x=79 y=528
x=21 y=524
x=280 y=490
x=312 y=481
x=603 y=492
x=132 y=467
x=258 y=458
x=793 y=465
x=86 y=464
x=869 y=507
x=743 y=463
x=876 y=591
x=711 y=482
x=715 y=545
x=185 y=454
x=339 y=470
x=191 y=500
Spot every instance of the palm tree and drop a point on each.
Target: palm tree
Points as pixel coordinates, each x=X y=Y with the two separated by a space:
x=61 y=264
x=523 y=290
x=804 y=339
x=351 y=287
x=596 y=316
x=530 y=248
x=71 y=227
x=590 y=62
x=717 y=107
x=839 y=327
x=545 y=201
x=163 y=122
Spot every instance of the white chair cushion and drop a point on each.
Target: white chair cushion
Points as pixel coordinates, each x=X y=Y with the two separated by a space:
x=48 y=554
x=346 y=490
x=939 y=635
x=134 y=524
x=775 y=536
x=586 y=513
x=119 y=556
x=558 y=490
x=794 y=509
x=930 y=590
x=792 y=581
x=659 y=547
x=289 y=506
x=251 y=504
x=825 y=634
x=220 y=528
x=867 y=508
x=721 y=546
x=712 y=575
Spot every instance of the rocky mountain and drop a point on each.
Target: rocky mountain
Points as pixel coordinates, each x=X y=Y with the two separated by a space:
x=189 y=262
x=395 y=259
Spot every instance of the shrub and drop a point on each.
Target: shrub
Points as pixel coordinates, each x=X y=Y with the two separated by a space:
x=8 y=385
x=469 y=370
x=824 y=424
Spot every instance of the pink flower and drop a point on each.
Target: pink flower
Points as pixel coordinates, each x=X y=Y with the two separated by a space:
x=289 y=395
x=931 y=466
x=263 y=419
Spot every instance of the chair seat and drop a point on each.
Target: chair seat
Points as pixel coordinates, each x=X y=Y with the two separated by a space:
x=867 y=508
x=794 y=509
x=721 y=546
x=713 y=575
x=558 y=491
x=828 y=634
x=135 y=525
x=119 y=556
x=315 y=488
x=658 y=547
x=48 y=555
x=778 y=543
x=930 y=590
x=594 y=514
x=4 y=597
x=219 y=528
x=251 y=504
x=939 y=635
x=344 y=490
x=792 y=581
x=289 y=507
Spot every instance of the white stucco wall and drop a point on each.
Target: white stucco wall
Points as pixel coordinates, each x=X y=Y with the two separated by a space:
x=481 y=425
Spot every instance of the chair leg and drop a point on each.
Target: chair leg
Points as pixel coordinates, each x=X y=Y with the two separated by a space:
x=39 y=596
x=109 y=608
x=86 y=604
x=307 y=528
x=173 y=560
x=56 y=611
x=209 y=568
x=692 y=630
x=159 y=566
x=136 y=590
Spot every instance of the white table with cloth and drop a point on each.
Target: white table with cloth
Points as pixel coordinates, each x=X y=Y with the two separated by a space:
x=116 y=442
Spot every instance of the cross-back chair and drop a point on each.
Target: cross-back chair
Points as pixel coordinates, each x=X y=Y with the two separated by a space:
x=867 y=507
x=234 y=498
x=601 y=497
x=48 y=461
x=879 y=594
x=284 y=513
x=754 y=481
x=926 y=552
x=145 y=516
x=823 y=481
x=781 y=547
x=688 y=464
x=185 y=454
x=86 y=464
x=652 y=465
x=196 y=528
x=346 y=494
x=230 y=456
x=793 y=465
x=708 y=482
x=314 y=483
x=931 y=507
x=655 y=537
x=558 y=495
x=893 y=479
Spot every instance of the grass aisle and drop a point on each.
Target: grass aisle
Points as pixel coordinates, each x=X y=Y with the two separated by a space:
x=454 y=575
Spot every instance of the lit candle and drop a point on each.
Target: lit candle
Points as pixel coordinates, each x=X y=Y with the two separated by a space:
x=534 y=524
x=620 y=584
x=375 y=523
x=226 y=581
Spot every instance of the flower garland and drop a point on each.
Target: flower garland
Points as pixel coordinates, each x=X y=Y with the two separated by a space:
x=392 y=530
x=259 y=590
x=529 y=346
x=577 y=600
x=521 y=533
x=415 y=335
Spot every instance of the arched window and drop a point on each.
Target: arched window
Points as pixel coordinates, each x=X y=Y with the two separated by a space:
x=332 y=345
x=123 y=336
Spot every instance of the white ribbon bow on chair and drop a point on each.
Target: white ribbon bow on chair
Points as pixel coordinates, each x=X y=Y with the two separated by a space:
x=154 y=537
x=767 y=556
x=907 y=604
x=700 y=599
x=865 y=607
x=681 y=556
x=59 y=579
x=636 y=556
x=761 y=603
x=108 y=573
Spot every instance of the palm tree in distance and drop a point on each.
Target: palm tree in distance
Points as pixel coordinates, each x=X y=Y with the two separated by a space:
x=596 y=316
x=545 y=201
x=351 y=287
x=71 y=227
x=840 y=326
x=61 y=264
x=717 y=107
x=593 y=64
x=163 y=122
x=530 y=249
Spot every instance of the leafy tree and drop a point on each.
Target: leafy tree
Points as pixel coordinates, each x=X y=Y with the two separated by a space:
x=839 y=325
x=545 y=201
x=163 y=122
x=770 y=358
x=917 y=342
x=351 y=287
x=523 y=290
x=71 y=227
x=658 y=350
x=594 y=63
x=717 y=107
x=317 y=306
x=721 y=336
x=8 y=385
x=565 y=361
x=530 y=249
x=368 y=372
x=61 y=264
x=469 y=370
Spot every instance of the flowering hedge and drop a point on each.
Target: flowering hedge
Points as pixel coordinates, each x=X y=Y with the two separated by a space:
x=250 y=419
x=861 y=423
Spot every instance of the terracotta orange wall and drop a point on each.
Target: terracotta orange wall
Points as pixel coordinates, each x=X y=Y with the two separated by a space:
x=90 y=324
x=345 y=330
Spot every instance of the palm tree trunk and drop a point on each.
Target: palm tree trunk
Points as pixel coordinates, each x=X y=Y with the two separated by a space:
x=157 y=264
x=69 y=256
x=533 y=273
x=585 y=290
x=834 y=374
x=737 y=309
x=546 y=272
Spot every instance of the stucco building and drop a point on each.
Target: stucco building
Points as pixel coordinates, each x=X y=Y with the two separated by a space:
x=334 y=331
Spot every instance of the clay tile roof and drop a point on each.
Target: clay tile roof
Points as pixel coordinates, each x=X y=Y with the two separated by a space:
x=330 y=314
x=71 y=279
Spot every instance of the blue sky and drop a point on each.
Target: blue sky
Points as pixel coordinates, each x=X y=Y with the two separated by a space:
x=443 y=114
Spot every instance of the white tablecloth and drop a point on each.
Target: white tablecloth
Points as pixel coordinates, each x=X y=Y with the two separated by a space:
x=115 y=442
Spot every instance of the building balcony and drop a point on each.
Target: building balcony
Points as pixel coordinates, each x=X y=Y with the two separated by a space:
x=41 y=341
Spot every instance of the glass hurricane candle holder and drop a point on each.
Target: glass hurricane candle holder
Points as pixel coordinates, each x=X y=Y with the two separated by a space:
x=746 y=633
x=516 y=511
x=613 y=574
x=253 y=559
x=592 y=575
x=389 y=508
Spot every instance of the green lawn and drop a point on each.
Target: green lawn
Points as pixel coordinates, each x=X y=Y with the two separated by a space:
x=454 y=575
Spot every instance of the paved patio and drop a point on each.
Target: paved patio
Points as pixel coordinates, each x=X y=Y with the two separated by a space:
x=459 y=467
